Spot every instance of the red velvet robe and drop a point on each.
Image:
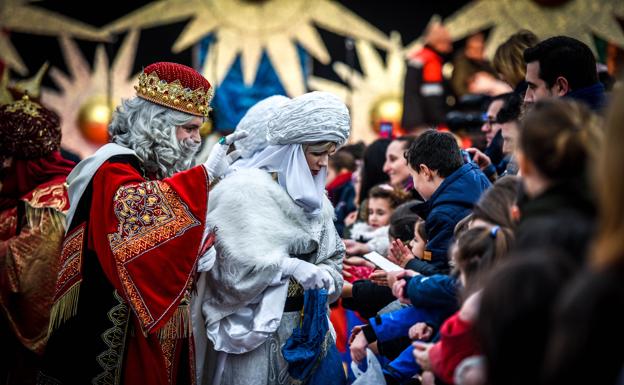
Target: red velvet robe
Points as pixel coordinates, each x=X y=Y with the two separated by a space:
x=147 y=237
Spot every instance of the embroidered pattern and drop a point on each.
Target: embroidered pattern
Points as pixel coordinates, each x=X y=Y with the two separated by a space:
x=111 y=359
x=53 y=196
x=168 y=348
x=149 y=215
x=71 y=260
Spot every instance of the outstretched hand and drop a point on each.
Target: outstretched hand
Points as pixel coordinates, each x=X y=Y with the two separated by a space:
x=482 y=160
x=399 y=253
x=219 y=160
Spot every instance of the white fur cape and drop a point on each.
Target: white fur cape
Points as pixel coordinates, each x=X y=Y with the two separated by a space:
x=257 y=225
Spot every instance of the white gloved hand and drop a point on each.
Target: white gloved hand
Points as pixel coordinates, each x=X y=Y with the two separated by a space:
x=308 y=275
x=218 y=159
x=207 y=260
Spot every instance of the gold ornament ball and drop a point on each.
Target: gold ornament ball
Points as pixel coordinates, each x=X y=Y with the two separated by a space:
x=388 y=108
x=93 y=119
x=205 y=129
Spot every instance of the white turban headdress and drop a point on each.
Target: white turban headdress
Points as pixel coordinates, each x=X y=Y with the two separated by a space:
x=255 y=122
x=310 y=118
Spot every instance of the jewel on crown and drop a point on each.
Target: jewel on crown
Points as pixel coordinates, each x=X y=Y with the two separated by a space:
x=174 y=94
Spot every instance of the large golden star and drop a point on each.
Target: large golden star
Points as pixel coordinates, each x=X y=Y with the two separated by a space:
x=88 y=85
x=576 y=18
x=18 y=16
x=250 y=27
x=378 y=82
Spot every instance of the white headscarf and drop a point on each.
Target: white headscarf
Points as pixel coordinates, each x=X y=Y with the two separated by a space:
x=310 y=118
x=255 y=123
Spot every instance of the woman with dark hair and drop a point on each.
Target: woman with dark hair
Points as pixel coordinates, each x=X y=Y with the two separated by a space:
x=396 y=166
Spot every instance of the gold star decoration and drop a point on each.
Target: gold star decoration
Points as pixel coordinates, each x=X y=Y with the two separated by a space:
x=19 y=16
x=379 y=83
x=87 y=86
x=247 y=28
x=576 y=18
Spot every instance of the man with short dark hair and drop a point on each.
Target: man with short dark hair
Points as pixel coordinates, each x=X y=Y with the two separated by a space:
x=450 y=189
x=562 y=66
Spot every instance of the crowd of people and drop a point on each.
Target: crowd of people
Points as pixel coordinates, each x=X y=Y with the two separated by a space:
x=291 y=256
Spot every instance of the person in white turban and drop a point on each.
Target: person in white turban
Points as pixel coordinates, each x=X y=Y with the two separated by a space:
x=275 y=238
x=255 y=123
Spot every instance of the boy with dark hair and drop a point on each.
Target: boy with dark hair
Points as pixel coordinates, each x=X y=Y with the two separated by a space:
x=563 y=66
x=450 y=189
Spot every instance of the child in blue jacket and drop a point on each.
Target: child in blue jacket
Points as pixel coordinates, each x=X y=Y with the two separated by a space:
x=450 y=189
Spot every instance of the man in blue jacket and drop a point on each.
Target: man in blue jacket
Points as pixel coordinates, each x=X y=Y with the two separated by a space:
x=449 y=187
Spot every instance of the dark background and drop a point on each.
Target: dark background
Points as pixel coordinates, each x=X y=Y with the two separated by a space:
x=155 y=43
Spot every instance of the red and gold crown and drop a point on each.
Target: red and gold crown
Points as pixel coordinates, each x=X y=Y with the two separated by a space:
x=175 y=86
x=28 y=130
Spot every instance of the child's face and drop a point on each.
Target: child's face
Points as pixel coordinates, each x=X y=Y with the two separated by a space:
x=417 y=244
x=423 y=181
x=379 y=212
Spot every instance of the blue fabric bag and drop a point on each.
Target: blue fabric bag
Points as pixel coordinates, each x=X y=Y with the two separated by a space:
x=310 y=351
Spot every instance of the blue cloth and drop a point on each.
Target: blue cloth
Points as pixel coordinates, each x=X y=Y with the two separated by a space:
x=304 y=349
x=403 y=367
x=233 y=98
x=437 y=292
x=449 y=204
x=593 y=96
x=396 y=324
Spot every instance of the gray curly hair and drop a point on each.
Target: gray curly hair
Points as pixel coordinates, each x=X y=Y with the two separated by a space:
x=150 y=130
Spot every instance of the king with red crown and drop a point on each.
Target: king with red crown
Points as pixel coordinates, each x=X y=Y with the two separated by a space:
x=135 y=230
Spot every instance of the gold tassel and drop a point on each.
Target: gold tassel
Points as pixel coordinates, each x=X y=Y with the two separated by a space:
x=64 y=308
x=179 y=326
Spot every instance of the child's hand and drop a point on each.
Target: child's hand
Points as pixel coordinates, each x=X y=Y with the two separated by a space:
x=393 y=276
x=354 y=332
x=420 y=331
x=351 y=218
x=401 y=254
x=482 y=160
x=355 y=248
x=398 y=290
x=358 y=348
x=421 y=354
x=358 y=261
x=379 y=277
x=346 y=272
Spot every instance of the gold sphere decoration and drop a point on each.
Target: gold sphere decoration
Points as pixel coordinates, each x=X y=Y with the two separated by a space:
x=93 y=119
x=388 y=108
x=205 y=129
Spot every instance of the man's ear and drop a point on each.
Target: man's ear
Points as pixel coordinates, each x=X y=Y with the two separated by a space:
x=426 y=171
x=561 y=87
